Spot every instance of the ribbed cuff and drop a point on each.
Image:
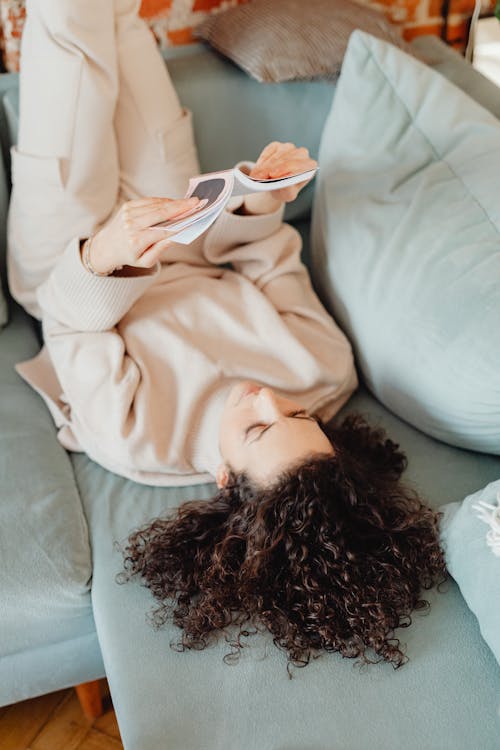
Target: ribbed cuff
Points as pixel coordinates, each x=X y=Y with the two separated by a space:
x=231 y=229
x=261 y=203
x=84 y=302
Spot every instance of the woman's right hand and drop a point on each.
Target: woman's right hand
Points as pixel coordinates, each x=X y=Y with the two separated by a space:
x=130 y=239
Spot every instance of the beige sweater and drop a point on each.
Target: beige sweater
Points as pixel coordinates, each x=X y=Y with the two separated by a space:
x=135 y=371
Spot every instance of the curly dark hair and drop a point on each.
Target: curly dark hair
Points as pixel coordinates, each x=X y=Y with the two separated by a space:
x=332 y=557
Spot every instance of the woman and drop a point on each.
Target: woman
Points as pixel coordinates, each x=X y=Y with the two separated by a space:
x=175 y=364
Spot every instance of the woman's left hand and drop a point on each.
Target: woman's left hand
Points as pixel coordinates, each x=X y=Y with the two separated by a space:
x=283 y=160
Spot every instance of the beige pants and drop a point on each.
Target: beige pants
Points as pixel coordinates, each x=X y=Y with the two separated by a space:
x=100 y=123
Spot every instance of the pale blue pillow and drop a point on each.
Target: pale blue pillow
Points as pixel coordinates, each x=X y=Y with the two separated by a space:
x=406 y=241
x=470 y=536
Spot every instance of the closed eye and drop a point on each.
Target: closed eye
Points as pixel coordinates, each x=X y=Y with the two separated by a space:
x=302 y=414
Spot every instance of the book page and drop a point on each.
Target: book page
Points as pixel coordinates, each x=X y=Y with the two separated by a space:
x=244 y=184
x=214 y=190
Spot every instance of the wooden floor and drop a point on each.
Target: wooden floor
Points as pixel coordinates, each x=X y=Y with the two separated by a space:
x=56 y=722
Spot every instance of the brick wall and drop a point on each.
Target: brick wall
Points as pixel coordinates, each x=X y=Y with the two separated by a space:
x=172 y=20
x=417 y=17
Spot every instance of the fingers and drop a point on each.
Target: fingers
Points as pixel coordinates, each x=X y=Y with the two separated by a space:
x=144 y=239
x=141 y=214
x=273 y=151
x=298 y=187
x=274 y=147
x=283 y=168
x=282 y=160
x=289 y=193
x=289 y=167
x=151 y=254
x=285 y=194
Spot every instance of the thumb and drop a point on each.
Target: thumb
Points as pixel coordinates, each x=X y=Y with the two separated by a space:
x=152 y=253
x=152 y=236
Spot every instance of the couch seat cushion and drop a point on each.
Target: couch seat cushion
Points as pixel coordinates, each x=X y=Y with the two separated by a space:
x=45 y=565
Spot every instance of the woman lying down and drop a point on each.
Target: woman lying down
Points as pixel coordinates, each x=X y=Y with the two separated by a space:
x=179 y=364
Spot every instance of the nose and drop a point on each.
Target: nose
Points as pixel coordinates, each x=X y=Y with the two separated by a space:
x=268 y=404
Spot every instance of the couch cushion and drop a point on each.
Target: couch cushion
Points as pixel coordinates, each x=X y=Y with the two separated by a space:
x=406 y=241
x=446 y=697
x=64 y=663
x=45 y=564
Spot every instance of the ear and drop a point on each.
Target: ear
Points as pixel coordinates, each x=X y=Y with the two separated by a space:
x=221 y=476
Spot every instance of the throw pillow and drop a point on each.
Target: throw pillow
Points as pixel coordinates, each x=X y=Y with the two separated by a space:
x=470 y=536
x=406 y=241
x=281 y=40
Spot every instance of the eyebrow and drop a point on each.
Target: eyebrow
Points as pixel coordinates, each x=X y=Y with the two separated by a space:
x=293 y=415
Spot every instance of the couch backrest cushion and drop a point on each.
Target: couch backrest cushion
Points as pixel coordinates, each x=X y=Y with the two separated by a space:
x=406 y=241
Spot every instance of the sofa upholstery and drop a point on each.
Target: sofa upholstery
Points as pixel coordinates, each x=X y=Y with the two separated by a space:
x=60 y=515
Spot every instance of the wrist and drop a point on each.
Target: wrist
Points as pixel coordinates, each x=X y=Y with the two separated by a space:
x=261 y=203
x=94 y=259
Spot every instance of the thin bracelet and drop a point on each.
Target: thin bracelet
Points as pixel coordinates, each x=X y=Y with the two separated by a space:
x=86 y=259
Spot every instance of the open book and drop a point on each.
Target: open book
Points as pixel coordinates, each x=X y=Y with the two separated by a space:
x=214 y=189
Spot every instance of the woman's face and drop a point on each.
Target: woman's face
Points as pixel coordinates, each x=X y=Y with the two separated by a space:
x=262 y=434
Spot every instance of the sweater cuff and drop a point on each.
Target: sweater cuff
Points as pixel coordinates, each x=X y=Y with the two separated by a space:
x=261 y=203
x=231 y=230
x=84 y=302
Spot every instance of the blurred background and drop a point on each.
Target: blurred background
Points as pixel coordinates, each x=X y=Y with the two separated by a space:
x=172 y=21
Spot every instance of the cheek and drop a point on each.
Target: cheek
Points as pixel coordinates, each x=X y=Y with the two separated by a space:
x=228 y=432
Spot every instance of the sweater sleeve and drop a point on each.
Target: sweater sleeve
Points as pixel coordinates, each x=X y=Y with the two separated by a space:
x=266 y=251
x=245 y=241
x=84 y=302
x=99 y=379
x=271 y=260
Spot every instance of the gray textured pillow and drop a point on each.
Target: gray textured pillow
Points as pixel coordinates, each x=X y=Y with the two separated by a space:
x=281 y=40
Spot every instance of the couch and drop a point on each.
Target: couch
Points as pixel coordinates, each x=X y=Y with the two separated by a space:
x=64 y=620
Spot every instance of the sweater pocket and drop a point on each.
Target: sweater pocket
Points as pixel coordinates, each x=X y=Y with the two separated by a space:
x=177 y=141
x=50 y=110
x=33 y=173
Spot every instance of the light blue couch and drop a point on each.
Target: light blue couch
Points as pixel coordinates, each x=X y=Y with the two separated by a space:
x=63 y=618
